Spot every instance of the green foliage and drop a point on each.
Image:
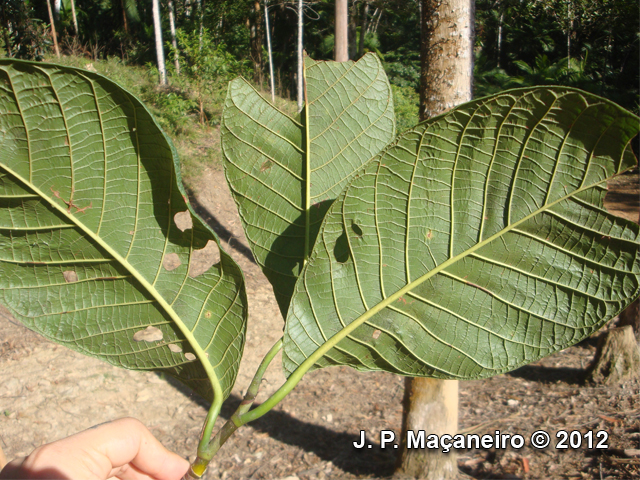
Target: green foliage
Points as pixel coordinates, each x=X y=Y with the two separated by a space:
x=285 y=173
x=23 y=36
x=208 y=67
x=406 y=103
x=99 y=249
x=475 y=243
x=599 y=39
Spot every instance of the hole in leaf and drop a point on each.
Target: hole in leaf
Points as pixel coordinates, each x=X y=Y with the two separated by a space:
x=341 y=250
x=356 y=229
x=189 y=356
x=70 y=276
x=149 y=334
x=203 y=259
x=171 y=261
x=183 y=220
x=175 y=348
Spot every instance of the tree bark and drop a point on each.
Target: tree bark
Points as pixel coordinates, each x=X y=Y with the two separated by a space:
x=268 y=33
x=174 y=41
x=124 y=18
x=341 y=45
x=300 y=57
x=75 y=18
x=446 y=80
x=53 y=29
x=157 y=26
x=446 y=55
x=631 y=316
x=617 y=358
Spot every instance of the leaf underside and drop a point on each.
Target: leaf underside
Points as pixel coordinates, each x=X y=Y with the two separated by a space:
x=474 y=244
x=285 y=173
x=90 y=252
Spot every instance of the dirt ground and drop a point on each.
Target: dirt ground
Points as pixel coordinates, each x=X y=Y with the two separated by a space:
x=48 y=392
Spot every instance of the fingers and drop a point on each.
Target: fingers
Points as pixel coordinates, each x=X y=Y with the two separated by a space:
x=124 y=449
x=132 y=443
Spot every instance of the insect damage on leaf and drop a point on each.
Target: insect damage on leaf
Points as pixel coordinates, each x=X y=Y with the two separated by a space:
x=70 y=276
x=189 y=356
x=149 y=334
x=183 y=220
x=175 y=348
x=171 y=262
x=203 y=259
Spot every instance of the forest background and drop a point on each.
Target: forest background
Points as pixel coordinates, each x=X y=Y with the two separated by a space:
x=592 y=45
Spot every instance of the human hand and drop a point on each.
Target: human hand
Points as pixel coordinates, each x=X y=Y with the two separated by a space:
x=123 y=449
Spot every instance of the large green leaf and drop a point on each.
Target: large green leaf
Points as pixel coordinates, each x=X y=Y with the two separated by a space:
x=91 y=255
x=285 y=173
x=476 y=243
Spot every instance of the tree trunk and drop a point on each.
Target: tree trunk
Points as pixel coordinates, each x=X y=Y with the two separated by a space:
x=53 y=29
x=256 y=41
x=341 y=45
x=300 y=57
x=631 y=316
x=174 y=41
x=363 y=28
x=75 y=18
x=201 y=7
x=617 y=358
x=57 y=5
x=124 y=18
x=446 y=80
x=353 y=37
x=157 y=26
x=266 y=27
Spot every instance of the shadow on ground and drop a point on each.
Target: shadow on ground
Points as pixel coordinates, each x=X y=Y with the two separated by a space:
x=327 y=444
x=224 y=234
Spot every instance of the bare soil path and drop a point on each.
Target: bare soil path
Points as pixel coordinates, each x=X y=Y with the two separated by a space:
x=49 y=392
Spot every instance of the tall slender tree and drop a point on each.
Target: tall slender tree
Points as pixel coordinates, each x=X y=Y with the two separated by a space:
x=300 y=55
x=54 y=36
x=74 y=17
x=268 y=32
x=341 y=48
x=157 y=27
x=446 y=80
x=174 y=41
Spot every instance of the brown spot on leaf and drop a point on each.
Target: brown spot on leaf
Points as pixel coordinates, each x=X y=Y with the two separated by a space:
x=70 y=276
x=203 y=259
x=376 y=334
x=189 y=356
x=207 y=315
x=149 y=334
x=266 y=166
x=175 y=348
x=183 y=220
x=429 y=234
x=171 y=261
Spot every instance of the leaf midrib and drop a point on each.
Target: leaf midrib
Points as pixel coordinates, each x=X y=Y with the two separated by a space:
x=217 y=389
x=335 y=339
